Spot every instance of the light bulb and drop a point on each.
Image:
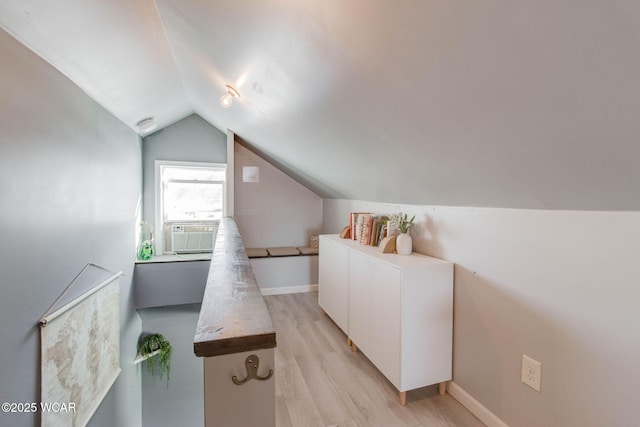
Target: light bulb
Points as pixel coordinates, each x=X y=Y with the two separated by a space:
x=226 y=100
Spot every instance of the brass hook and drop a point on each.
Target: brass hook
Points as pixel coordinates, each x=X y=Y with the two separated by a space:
x=251 y=364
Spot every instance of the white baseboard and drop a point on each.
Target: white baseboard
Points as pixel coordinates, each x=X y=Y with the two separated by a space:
x=475 y=407
x=289 y=290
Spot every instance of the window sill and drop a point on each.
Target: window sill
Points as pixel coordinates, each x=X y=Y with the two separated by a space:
x=175 y=258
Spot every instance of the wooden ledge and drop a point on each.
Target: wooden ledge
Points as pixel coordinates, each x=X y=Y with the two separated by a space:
x=281 y=252
x=233 y=317
x=308 y=250
x=234 y=345
x=257 y=253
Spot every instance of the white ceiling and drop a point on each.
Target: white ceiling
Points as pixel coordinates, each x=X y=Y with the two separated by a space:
x=493 y=103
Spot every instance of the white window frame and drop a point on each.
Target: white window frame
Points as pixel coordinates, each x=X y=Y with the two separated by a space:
x=159 y=214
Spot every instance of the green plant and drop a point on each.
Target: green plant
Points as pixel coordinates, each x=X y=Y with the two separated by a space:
x=400 y=221
x=150 y=344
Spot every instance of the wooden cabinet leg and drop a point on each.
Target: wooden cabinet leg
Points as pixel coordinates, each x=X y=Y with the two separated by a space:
x=442 y=388
x=349 y=342
x=403 y=398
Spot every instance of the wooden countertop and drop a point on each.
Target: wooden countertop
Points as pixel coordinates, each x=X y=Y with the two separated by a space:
x=233 y=317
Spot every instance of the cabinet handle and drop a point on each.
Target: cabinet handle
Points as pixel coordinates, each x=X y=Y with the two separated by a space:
x=251 y=364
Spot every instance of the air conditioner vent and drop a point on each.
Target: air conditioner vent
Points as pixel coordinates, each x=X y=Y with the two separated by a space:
x=192 y=238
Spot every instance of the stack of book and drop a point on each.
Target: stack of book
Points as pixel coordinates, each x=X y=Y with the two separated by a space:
x=367 y=228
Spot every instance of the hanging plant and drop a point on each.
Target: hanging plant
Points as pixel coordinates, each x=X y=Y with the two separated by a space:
x=160 y=361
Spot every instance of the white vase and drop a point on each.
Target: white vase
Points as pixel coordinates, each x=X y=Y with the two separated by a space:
x=404 y=244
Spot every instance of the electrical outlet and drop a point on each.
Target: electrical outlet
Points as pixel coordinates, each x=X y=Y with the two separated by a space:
x=531 y=372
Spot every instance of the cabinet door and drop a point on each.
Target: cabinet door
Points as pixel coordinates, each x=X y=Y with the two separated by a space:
x=386 y=321
x=333 y=286
x=360 y=301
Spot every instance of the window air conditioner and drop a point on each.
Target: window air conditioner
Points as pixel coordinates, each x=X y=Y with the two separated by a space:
x=186 y=238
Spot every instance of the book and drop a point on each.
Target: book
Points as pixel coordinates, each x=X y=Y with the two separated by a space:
x=356 y=224
x=359 y=221
x=383 y=230
x=365 y=230
x=352 y=225
x=374 y=231
x=379 y=232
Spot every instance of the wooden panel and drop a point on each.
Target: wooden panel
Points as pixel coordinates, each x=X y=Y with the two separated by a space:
x=233 y=317
x=319 y=382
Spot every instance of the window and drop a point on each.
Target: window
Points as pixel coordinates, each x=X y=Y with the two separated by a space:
x=188 y=194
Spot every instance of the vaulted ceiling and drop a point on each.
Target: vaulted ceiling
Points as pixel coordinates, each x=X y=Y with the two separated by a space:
x=493 y=103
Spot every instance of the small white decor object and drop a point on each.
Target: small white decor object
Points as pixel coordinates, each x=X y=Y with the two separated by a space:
x=404 y=242
x=250 y=174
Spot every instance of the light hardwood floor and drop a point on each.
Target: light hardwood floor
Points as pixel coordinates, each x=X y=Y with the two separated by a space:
x=320 y=382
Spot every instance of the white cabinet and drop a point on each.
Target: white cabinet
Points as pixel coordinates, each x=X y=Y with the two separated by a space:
x=360 y=275
x=399 y=311
x=385 y=322
x=333 y=288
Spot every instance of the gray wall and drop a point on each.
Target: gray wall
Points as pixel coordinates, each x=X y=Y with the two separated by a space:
x=182 y=403
x=558 y=286
x=190 y=140
x=159 y=284
x=70 y=181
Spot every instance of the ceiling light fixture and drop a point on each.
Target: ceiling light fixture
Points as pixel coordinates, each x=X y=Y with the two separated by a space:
x=227 y=99
x=147 y=125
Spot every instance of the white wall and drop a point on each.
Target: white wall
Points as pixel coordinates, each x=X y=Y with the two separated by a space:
x=285 y=273
x=70 y=184
x=562 y=287
x=276 y=211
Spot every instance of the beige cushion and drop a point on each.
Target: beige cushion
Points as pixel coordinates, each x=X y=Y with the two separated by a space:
x=283 y=251
x=308 y=250
x=257 y=252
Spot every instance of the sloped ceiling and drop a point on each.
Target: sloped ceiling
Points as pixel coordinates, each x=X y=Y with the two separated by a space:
x=116 y=51
x=506 y=104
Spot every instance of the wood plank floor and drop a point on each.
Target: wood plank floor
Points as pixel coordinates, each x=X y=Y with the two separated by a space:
x=320 y=382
